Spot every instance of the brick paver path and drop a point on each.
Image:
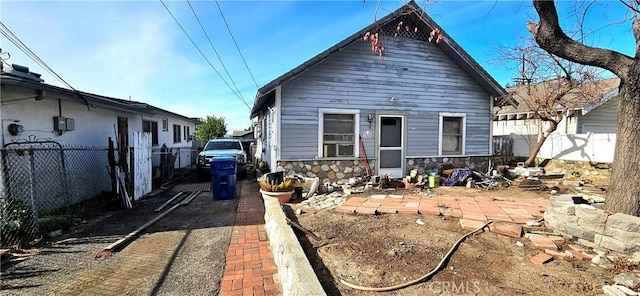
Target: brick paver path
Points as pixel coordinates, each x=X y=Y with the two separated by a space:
x=479 y=208
x=250 y=269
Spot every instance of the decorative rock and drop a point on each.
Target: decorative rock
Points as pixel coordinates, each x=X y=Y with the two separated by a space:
x=626 y=290
x=628 y=280
x=600 y=260
x=316 y=169
x=594 y=199
x=624 y=222
x=580 y=232
x=562 y=205
x=590 y=218
x=621 y=235
x=615 y=244
x=635 y=259
x=612 y=291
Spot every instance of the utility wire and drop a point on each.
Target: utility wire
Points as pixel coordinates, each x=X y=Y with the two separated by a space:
x=236 y=43
x=214 y=50
x=24 y=48
x=202 y=54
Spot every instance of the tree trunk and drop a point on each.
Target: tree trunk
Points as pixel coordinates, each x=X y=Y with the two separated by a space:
x=541 y=139
x=623 y=194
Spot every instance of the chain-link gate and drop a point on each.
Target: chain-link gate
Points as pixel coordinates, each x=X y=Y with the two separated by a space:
x=42 y=181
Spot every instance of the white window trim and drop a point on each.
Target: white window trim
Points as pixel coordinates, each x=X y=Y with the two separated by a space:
x=464 y=131
x=356 y=122
x=165 y=121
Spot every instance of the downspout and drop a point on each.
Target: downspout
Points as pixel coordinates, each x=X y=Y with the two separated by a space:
x=278 y=105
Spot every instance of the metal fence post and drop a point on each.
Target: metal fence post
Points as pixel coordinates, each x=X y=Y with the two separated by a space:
x=32 y=173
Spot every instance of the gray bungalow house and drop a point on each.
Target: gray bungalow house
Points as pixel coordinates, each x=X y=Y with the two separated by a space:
x=418 y=104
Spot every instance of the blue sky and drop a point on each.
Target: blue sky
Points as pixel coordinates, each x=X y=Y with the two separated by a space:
x=135 y=49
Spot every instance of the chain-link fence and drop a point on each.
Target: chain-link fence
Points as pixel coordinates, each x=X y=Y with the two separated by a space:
x=44 y=186
x=169 y=161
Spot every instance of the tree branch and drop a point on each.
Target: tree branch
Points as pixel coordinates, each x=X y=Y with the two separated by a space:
x=551 y=38
x=636 y=33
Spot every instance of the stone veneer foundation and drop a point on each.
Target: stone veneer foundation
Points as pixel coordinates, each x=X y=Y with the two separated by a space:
x=426 y=165
x=590 y=224
x=332 y=170
x=327 y=170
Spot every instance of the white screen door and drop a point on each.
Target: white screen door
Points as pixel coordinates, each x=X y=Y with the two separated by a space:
x=390 y=133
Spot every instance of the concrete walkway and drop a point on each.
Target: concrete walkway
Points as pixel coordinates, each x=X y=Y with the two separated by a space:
x=250 y=268
x=479 y=208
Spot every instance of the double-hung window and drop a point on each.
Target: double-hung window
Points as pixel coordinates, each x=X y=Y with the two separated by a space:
x=339 y=131
x=452 y=133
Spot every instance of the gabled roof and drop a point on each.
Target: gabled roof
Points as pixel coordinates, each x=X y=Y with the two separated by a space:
x=33 y=81
x=600 y=92
x=423 y=22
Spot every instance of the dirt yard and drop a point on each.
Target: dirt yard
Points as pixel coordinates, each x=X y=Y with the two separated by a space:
x=390 y=249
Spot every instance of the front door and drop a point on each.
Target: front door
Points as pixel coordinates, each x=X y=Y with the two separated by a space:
x=390 y=151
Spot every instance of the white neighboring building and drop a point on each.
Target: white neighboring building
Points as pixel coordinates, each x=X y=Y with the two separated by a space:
x=32 y=109
x=585 y=134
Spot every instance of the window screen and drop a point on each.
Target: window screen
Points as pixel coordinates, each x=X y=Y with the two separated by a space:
x=338 y=135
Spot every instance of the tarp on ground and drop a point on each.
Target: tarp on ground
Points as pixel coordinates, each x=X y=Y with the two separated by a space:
x=459 y=177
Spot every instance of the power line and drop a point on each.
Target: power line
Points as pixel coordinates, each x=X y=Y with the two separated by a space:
x=214 y=48
x=236 y=43
x=24 y=48
x=202 y=54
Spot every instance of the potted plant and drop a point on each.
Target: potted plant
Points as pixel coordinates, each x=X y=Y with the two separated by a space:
x=277 y=186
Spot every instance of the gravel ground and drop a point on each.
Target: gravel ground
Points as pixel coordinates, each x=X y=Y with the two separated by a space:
x=182 y=254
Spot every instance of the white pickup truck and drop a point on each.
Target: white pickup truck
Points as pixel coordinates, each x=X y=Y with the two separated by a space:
x=222 y=147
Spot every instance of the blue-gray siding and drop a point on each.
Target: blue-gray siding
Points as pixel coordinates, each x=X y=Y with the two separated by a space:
x=603 y=119
x=422 y=78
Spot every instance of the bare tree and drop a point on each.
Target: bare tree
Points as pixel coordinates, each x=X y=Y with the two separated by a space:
x=548 y=88
x=623 y=195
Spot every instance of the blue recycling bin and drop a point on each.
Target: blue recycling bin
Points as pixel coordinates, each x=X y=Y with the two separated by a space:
x=223 y=178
